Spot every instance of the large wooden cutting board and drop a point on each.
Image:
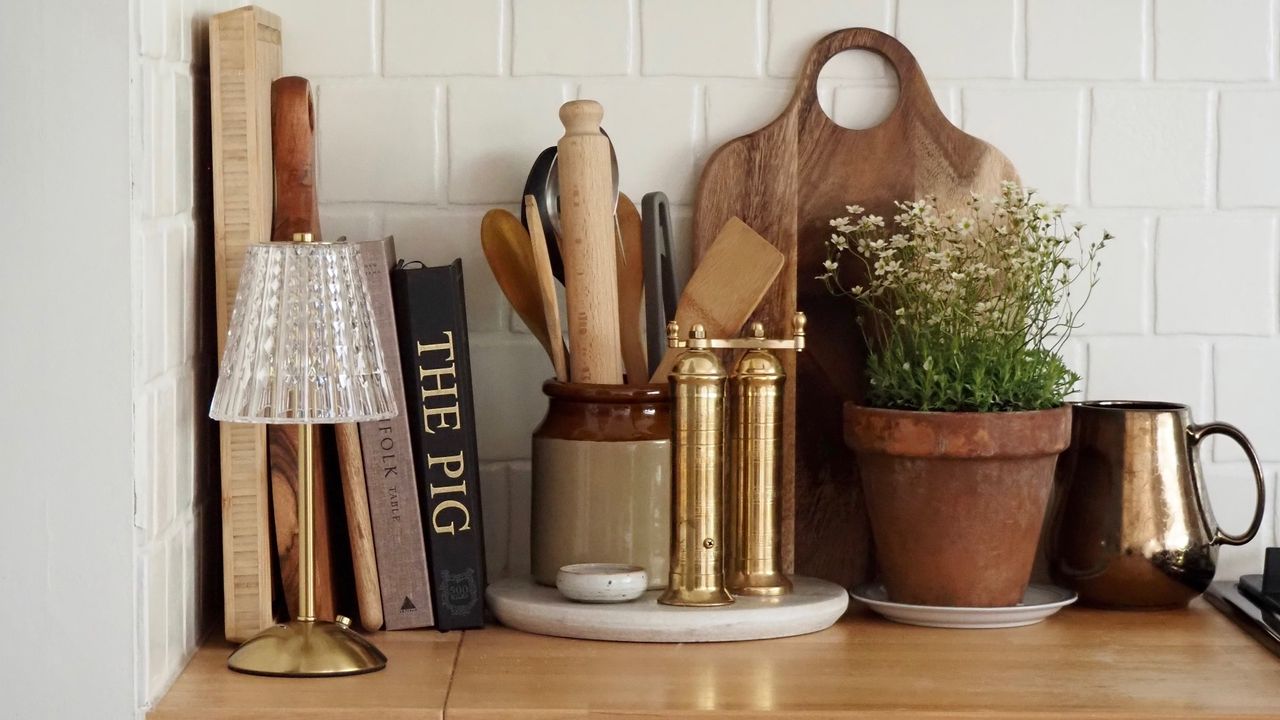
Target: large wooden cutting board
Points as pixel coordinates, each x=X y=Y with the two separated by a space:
x=244 y=57
x=787 y=180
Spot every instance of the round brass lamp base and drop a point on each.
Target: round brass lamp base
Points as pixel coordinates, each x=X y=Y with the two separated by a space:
x=307 y=648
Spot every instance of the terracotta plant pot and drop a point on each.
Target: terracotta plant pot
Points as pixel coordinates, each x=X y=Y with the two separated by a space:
x=956 y=500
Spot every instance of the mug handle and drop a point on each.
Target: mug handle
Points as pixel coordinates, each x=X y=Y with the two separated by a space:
x=1198 y=433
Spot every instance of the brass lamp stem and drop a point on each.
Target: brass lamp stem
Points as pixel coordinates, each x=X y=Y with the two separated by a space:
x=306 y=527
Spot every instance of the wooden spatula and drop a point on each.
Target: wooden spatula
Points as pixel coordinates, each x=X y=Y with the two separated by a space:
x=726 y=287
x=546 y=287
x=631 y=291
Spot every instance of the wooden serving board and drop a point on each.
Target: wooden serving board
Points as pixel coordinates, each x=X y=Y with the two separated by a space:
x=293 y=150
x=283 y=441
x=787 y=180
x=244 y=58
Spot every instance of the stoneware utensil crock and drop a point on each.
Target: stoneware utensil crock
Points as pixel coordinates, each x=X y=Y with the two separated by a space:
x=1132 y=525
x=602 y=479
x=956 y=499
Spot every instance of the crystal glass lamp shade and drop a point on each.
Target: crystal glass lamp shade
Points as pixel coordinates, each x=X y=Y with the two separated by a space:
x=303 y=345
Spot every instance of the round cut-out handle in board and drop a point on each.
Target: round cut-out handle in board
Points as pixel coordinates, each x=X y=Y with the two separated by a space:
x=914 y=95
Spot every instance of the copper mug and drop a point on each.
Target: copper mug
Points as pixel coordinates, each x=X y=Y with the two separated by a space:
x=1132 y=525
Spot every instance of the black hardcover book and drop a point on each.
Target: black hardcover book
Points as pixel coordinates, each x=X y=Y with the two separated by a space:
x=431 y=317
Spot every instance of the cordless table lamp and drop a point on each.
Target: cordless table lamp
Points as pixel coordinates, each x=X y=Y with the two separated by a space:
x=303 y=349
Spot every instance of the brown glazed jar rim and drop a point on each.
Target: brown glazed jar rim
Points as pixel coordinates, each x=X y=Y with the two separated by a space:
x=602 y=393
x=915 y=433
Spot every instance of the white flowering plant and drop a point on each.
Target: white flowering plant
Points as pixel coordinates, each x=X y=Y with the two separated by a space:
x=966 y=309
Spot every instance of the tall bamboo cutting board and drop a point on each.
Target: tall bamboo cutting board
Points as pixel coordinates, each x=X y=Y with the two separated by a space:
x=787 y=180
x=244 y=57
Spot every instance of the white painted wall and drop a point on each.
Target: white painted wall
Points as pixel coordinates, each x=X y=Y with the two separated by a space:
x=67 y=583
x=1155 y=118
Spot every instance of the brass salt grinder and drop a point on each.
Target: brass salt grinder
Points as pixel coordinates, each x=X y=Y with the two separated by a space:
x=703 y=573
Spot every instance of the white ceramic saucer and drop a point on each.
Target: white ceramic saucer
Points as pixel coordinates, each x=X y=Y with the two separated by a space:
x=1038 y=603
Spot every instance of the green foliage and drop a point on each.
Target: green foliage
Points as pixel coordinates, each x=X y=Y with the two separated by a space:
x=964 y=310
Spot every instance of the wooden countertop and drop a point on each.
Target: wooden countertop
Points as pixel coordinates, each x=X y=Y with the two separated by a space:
x=1081 y=663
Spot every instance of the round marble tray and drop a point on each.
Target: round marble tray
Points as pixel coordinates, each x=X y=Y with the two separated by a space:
x=524 y=605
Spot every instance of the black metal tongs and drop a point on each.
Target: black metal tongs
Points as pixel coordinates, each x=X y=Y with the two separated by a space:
x=660 y=290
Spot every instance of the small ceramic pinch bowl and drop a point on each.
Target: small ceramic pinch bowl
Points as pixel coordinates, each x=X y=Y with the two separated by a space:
x=602 y=582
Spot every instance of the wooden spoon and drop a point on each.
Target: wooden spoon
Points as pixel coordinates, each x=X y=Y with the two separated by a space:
x=509 y=251
x=630 y=250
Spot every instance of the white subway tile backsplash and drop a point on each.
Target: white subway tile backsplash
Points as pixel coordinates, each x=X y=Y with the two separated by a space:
x=378 y=141
x=796 y=25
x=153 y=618
x=164 y=456
x=156 y=189
x=507 y=374
x=520 y=478
x=190 y=585
x=182 y=435
x=1075 y=354
x=1216 y=275
x=1086 y=39
x=596 y=42
x=861 y=107
x=735 y=108
x=437 y=238
x=183 y=144
x=496 y=509
x=1246 y=385
x=1139 y=368
x=1121 y=301
x=334 y=39
x=357 y=223
x=149 y=350
x=175 y=602
x=496 y=130
x=175 y=311
x=144 y=442
x=1038 y=129
x=192 y=300
x=1233 y=496
x=1249 y=148
x=656 y=130
x=1149 y=147
x=716 y=38
x=973 y=39
x=443 y=37
x=1213 y=40
x=152 y=27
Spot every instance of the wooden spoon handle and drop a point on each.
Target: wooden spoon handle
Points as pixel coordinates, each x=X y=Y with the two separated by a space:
x=630 y=248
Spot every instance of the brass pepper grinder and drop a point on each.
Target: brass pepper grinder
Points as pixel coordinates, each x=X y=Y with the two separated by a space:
x=753 y=557
x=697 y=391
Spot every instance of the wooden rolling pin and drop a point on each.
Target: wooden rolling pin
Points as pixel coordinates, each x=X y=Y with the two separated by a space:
x=590 y=266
